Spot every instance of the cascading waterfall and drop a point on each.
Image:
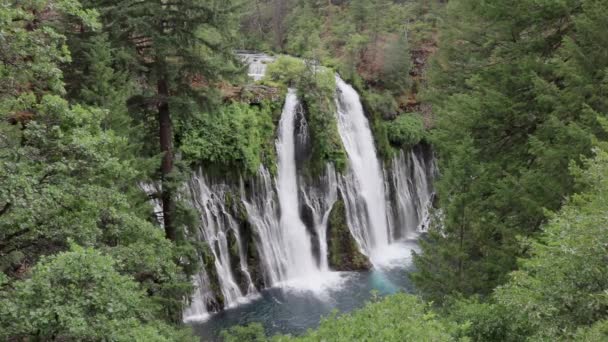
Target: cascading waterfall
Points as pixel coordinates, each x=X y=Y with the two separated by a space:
x=412 y=192
x=217 y=223
x=363 y=185
x=263 y=213
x=320 y=201
x=274 y=229
x=300 y=260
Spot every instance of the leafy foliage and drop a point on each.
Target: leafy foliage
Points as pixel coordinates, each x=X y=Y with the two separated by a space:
x=68 y=173
x=405 y=131
x=238 y=136
x=563 y=285
x=285 y=70
x=513 y=114
x=84 y=298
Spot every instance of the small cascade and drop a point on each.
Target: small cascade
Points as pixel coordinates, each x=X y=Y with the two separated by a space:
x=363 y=185
x=202 y=298
x=319 y=200
x=411 y=198
x=263 y=213
x=300 y=260
x=217 y=227
x=257 y=63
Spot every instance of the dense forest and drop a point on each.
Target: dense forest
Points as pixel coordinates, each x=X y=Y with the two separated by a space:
x=107 y=109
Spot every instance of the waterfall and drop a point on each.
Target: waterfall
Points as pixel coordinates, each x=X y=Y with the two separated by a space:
x=300 y=260
x=217 y=224
x=267 y=231
x=412 y=192
x=202 y=298
x=263 y=212
x=363 y=185
x=320 y=200
x=256 y=64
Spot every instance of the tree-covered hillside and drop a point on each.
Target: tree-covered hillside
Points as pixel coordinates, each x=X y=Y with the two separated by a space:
x=107 y=108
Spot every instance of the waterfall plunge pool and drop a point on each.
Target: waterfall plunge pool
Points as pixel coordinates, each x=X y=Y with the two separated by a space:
x=294 y=308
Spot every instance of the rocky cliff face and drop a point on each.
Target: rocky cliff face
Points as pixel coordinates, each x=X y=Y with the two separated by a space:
x=343 y=251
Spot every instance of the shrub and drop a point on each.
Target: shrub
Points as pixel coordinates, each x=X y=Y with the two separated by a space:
x=317 y=90
x=79 y=295
x=286 y=70
x=405 y=131
x=381 y=104
x=238 y=136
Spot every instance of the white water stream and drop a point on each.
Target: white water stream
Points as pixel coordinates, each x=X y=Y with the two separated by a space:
x=363 y=185
x=383 y=206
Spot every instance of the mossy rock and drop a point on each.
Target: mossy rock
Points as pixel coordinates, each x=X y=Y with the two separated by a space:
x=344 y=254
x=253 y=258
x=235 y=261
x=209 y=264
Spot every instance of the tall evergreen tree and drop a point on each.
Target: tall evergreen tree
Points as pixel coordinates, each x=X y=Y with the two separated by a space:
x=512 y=118
x=179 y=48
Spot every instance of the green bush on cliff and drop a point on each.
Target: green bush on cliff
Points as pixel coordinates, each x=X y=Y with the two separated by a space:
x=316 y=88
x=381 y=104
x=405 y=131
x=285 y=70
x=238 y=136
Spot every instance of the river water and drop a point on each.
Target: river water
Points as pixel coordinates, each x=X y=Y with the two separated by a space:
x=287 y=310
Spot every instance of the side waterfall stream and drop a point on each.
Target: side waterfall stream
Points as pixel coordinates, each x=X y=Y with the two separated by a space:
x=265 y=262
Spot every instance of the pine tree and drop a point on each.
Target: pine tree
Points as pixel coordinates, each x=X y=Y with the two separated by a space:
x=175 y=47
x=509 y=95
x=397 y=64
x=94 y=78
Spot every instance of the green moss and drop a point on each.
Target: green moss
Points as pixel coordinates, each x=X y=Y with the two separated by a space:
x=209 y=264
x=343 y=250
x=316 y=89
x=383 y=145
x=253 y=258
x=235 y=260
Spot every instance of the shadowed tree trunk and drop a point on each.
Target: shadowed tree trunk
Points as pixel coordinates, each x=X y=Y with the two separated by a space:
x=166 y=137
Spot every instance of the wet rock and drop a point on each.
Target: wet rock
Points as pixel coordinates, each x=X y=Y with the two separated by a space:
x=344 y=254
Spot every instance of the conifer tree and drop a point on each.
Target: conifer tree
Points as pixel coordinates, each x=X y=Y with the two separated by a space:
x=174 y=46
x=517 y=90
x=397 y=64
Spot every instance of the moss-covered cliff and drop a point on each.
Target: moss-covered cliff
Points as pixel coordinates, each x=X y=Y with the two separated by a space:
x=344 y=254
